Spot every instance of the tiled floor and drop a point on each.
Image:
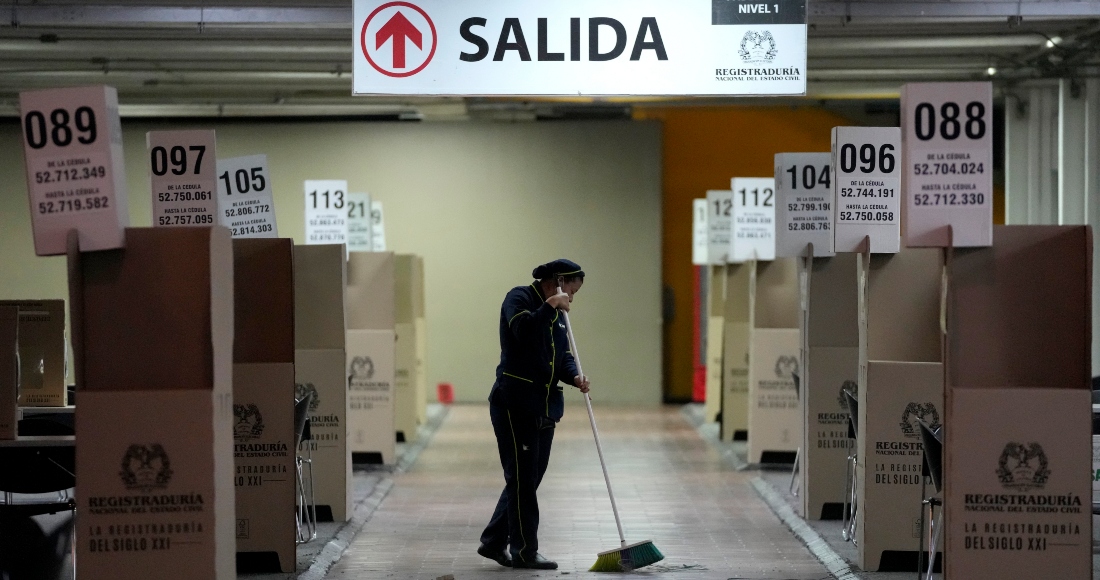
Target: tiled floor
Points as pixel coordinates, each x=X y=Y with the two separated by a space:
x=672 y=487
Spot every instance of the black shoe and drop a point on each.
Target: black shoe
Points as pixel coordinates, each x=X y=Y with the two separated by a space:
x=538 y=562
x=500 y=556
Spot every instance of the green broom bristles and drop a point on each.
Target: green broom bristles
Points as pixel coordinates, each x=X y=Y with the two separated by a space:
x=627 y=558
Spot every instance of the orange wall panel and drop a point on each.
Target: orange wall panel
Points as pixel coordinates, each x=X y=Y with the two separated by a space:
x=703 y=148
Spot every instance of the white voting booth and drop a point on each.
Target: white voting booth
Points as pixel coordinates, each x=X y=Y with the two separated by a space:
x=1018 y=414
x=828 y=323
x=320 y=280
x=760 y=325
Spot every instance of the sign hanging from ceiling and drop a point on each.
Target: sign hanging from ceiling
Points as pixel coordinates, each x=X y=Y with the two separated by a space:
x=580 y=47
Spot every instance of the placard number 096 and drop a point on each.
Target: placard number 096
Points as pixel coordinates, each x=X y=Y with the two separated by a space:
x=38 y=133
x=868 y=159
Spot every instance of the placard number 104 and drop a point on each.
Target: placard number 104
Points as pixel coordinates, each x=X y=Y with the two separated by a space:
x=336 y=201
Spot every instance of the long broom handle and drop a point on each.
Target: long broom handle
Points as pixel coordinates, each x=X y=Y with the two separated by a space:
x=595 y=431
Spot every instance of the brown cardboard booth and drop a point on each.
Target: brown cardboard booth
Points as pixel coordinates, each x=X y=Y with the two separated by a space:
x=41 y=352
x=715 y=313
x=775 y=418
x=9 y=371
x=410 y=392
x=264 y=437
x=371 y=357
x=1017 y=425
x=900 y=381
x=736 y=334
x=830 y=364
x=319 y=368
x=152 y=343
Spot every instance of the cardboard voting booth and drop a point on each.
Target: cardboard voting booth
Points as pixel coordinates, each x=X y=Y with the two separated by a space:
x=319 y=368
x=263 y=411
x=900 y=381
x=736 y=331
x=775 y=418
x=715 y=313
x=420 y=337
x=408 y=394
x=830 y=365
x=1018 y=414
x=153 y=340
x=9 y=371
x=371 y=357
x=41 y=352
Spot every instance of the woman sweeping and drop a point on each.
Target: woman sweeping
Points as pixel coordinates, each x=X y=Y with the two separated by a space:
x=526 y=404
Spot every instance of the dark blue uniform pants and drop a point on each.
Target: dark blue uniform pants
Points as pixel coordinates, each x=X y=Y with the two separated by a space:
x=524 y=447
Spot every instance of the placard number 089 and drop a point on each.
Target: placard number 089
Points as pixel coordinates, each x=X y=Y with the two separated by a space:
x=38 y=133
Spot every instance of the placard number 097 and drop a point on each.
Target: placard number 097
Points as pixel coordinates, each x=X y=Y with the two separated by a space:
x=39 y=133
x=950 y=126
x=159 y=157
x=868 y=159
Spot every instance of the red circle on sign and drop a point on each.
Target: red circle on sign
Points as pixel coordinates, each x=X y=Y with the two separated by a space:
x=363 y=39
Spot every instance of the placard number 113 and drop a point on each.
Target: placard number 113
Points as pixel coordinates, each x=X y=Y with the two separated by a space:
x=336 y=201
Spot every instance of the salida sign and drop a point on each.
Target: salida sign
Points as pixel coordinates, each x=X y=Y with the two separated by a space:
x=580 y=47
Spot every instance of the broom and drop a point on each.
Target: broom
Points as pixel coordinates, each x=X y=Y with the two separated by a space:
x=625 y=558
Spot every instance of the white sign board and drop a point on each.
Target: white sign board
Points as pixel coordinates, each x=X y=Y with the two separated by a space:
x=245 y=205
x=326 y=211
x=804 y=204
x=72 y=147
x=359 y=221
x=867 y=188
x=753 y=228
x=719 y=225
x=947 y=130
x=183 y=170
x=377 y=227
x=699 y=232
x=579 y=47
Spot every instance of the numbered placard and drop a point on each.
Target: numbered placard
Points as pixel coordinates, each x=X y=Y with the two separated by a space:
x=183 y=168
x=326 y=211
x=72 y=147
x=699 y=232
x=245 y=204
x=867 y=188
x=377 y=227
x=359 y=223
x=948 y=173
x=719 y=226
x=804 y=206
x=752 y=233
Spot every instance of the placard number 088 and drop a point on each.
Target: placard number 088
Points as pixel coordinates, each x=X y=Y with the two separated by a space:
x=950 y=126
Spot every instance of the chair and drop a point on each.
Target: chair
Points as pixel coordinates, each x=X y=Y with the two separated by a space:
x=38 y=470
x=848 y=513
x=932 y=441
x=796 y=480
x=305 y=519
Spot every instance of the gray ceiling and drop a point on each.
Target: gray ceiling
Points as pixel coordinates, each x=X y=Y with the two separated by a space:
x=280 y=57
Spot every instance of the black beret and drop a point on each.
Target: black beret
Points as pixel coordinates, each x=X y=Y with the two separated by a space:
x=562 y=267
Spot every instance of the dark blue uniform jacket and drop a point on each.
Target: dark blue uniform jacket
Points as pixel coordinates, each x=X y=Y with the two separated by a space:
x=534 y=355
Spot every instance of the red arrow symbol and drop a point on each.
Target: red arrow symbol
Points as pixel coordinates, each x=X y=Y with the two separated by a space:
x=398 y=28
